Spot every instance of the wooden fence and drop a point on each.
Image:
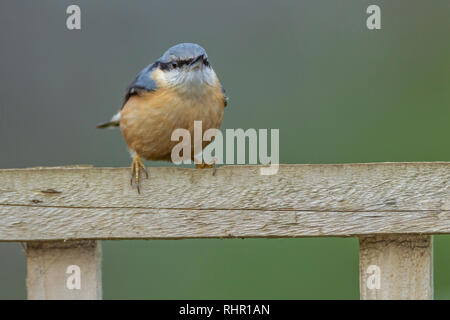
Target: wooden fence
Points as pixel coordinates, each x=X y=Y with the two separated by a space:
x=393 y=208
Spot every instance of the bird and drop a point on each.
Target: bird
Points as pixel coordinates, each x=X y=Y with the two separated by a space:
x=171 y=93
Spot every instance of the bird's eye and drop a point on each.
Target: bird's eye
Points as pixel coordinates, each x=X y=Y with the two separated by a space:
x=174 y=64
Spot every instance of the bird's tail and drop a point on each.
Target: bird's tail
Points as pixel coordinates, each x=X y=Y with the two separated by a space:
x=114 y=122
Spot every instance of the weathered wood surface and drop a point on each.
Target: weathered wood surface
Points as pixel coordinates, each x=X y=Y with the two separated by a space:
x=299 y=201
x=403 y=265
x=58 y=270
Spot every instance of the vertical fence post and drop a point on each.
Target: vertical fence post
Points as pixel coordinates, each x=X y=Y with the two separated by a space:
x=395 y=267
x=60 y=270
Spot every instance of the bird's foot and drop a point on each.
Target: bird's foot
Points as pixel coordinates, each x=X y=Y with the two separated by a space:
x=204 y=165
x=137 y=166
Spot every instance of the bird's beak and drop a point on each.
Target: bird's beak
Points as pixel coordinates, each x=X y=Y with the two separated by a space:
x=198 y=62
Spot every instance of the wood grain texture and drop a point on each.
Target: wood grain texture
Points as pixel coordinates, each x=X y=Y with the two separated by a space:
x=47 y=266
x=405 y=265
x=299 y=201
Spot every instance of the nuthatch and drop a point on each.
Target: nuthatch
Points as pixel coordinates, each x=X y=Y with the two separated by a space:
x=177 y=89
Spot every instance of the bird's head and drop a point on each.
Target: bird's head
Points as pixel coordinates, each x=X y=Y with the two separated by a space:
x=186 y=67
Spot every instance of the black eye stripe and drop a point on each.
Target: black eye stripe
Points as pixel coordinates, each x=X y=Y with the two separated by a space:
x=164 y=66
x=178 y=64
x=183 y=62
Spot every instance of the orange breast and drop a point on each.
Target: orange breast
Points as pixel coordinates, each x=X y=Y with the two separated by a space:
x=148 y=120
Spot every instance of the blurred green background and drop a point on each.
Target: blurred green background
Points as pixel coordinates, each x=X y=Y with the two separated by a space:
x=337 y=91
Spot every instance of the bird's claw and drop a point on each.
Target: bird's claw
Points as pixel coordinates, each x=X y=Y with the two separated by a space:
x=204 y=165
x=136 y=167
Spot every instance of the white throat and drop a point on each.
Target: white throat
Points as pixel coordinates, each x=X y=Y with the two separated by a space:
x=191 y=81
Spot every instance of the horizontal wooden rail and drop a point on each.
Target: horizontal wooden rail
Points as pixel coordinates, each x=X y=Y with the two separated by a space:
x=393 y=208
x=299 y=201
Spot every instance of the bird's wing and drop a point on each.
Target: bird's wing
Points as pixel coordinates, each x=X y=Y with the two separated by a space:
x=143 y=82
